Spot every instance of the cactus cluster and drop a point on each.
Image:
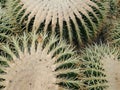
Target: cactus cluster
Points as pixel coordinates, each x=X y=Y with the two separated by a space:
x=35 y=53
x=34 y=59
x=76 y=20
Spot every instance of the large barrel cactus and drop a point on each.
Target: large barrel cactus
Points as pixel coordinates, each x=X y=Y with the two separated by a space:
x=75 y=20
x=101 y=67
x=32 y=62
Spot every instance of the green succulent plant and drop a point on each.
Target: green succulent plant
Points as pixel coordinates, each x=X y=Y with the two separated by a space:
x=101 y=67
x=76 y=21
x=33 y=61
x=36 y=62
x=113 y=35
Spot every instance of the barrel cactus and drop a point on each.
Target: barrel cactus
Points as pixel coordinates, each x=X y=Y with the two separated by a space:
x=113 y=35
x=36 y=62
x=76 y=21
x=101 y=67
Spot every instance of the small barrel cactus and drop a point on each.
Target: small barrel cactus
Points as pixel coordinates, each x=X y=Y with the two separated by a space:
x=34 y=62
x=101 y=67
x=76 y=20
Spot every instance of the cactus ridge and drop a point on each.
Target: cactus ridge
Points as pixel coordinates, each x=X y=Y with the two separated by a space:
x=75 y=20
x=34 y=62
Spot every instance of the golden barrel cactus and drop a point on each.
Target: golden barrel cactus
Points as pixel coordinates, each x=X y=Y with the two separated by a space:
x=36 y=62
x=75 y=20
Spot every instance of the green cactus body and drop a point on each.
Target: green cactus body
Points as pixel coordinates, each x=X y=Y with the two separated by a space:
x=114 y=34
x=34 y=63
x=2 y=2
x=75 y=20
x=101 y=68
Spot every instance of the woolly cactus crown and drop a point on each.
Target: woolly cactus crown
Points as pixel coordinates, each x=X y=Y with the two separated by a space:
x=74 y=20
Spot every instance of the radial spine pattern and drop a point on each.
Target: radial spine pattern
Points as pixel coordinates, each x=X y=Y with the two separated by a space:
x=75 y=20
x=34 y=63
